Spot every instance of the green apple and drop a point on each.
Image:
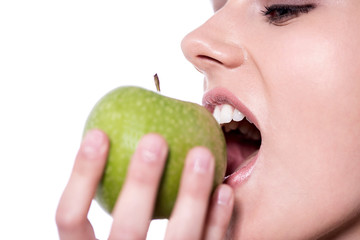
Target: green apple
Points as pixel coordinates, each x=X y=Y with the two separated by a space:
x=127 y=113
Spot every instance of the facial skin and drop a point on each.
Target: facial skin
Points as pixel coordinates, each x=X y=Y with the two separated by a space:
x=300 y=78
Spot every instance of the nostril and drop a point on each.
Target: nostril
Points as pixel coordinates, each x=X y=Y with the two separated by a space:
x=207 y=58
x=206 y=50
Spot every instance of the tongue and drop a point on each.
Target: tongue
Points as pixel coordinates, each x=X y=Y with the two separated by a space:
x=238 y=150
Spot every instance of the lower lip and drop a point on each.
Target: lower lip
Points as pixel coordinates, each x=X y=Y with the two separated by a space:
x=241 y=175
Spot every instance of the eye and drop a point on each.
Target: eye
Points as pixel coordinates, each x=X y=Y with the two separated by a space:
x=279 y=14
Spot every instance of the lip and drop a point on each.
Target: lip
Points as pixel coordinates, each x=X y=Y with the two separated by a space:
x=218 y=96
x=243 y=172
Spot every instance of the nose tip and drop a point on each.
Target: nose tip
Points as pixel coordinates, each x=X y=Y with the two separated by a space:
x=206 y=48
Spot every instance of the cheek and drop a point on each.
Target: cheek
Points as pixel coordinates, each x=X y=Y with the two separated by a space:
x=314 y=83
x=313 y=93
x=314 y=97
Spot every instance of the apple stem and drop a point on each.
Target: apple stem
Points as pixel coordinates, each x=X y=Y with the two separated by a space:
x=157 y=82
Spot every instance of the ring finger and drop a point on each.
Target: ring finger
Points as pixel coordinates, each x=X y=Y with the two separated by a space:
x=187 y=219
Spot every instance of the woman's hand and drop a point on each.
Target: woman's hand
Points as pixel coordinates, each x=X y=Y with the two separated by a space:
x=193 y=217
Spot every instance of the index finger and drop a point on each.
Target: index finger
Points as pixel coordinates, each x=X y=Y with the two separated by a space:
x=71 y=215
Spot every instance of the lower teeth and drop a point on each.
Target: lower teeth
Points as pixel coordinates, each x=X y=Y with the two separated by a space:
x=247 y=130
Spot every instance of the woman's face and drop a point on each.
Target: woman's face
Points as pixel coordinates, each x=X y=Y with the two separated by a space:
x=293 y=68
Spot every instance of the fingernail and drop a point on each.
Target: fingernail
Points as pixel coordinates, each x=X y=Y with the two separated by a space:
x=152 y=148
x=93 y=143
x=224 y=196
x=201 y=161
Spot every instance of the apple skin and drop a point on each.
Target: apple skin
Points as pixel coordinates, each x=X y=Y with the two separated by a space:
x=127 y=113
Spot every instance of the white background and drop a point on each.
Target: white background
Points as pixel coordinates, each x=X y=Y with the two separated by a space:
x=57 y=58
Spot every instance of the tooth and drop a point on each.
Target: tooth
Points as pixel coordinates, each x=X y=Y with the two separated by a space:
x=227 y=128
x=216 y=113
x=233 y=125
x=237 y=116
x=249 y=133
x=244 y=129
x=255 y=135
x=248 y=120
x=226 y=113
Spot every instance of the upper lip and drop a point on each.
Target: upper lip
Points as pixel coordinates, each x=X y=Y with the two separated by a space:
x=218 y=96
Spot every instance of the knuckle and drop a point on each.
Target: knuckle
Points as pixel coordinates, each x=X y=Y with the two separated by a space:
x=143 y=176
x=193 y=195
x=219 y=222
x=126 y=233
x=197 y=189
x=67 y=220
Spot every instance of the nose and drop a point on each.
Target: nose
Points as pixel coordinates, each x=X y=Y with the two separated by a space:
x=213 y=44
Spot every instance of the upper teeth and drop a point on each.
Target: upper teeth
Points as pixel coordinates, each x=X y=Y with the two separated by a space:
x=225 y=113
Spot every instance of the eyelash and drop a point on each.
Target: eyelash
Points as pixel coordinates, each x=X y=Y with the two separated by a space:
x=279 y=14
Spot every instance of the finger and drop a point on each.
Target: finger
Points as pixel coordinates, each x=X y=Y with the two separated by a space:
x=187 y=219
x=71 y=215
x=220 y=211
x=133 y=210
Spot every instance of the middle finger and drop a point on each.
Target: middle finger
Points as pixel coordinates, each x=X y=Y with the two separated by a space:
x=133 y=210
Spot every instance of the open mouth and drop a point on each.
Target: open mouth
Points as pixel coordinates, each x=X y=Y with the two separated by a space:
x=243 y=138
